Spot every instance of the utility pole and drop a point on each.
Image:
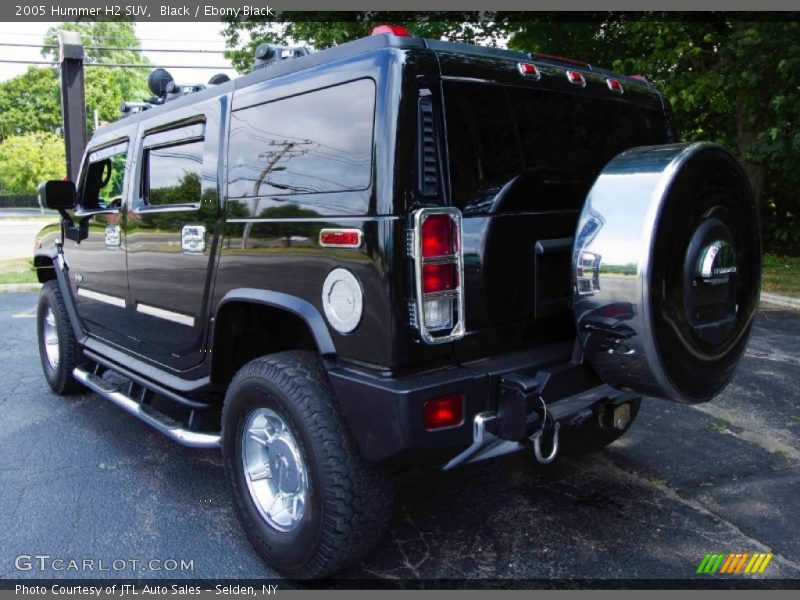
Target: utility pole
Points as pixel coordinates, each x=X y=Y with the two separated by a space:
x=73 y=99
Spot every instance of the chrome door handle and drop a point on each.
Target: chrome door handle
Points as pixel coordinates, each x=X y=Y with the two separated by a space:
x=113 y=237
x=193 y=238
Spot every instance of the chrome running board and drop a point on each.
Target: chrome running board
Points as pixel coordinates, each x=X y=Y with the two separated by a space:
x=158 y=421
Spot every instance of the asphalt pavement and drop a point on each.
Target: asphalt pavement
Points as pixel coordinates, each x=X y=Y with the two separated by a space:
x=80 y=479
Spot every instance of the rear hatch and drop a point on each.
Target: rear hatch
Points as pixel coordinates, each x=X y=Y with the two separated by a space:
x=522 y=154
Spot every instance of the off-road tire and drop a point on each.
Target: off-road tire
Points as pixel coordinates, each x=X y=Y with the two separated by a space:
x=349 y=501
x=60 y=378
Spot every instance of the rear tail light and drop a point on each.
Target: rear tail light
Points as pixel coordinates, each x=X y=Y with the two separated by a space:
x=437 y=310
x=446 y=411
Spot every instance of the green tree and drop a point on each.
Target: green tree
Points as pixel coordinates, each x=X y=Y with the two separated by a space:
x=242 y=37
x=30 y=102
x=27 y=160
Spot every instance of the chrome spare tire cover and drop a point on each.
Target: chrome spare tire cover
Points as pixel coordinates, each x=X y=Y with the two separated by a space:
x=666 y=271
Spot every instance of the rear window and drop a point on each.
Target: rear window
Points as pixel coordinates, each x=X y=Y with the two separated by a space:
x=317 y=142
x=520 y=149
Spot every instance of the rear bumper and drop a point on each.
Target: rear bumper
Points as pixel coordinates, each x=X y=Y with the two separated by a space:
x=385 y=414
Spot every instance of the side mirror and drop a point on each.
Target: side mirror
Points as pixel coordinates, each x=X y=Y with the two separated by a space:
x=57 y=195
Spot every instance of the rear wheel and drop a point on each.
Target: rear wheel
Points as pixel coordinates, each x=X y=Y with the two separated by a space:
x=310 y=504
x=58 y=348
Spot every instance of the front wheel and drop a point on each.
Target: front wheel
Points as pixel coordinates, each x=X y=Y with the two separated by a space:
x=58 y=348
x=310 y=504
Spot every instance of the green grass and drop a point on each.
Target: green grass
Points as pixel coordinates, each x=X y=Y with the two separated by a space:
x=781 y=275
x=17 y=270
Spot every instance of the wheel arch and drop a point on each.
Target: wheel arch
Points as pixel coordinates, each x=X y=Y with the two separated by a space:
x=236 y=337
x=43 y=262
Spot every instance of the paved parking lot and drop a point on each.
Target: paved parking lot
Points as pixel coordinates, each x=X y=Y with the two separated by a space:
x=81 y=479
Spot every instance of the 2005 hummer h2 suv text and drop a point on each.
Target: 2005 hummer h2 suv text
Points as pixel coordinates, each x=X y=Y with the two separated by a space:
x=393 y=252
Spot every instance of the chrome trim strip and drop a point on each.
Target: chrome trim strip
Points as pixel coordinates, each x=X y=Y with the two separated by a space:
x=167 y=315
x=185 y=437
x=327 y=219
x=108 y=299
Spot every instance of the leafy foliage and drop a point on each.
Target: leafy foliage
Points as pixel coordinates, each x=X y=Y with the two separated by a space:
x=131 y=82
x=27 y=160
x=30 y=102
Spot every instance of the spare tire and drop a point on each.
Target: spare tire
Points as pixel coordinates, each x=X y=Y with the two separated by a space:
x=667 y=271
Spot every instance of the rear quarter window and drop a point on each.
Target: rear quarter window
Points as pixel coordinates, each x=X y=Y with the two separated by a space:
x=313 y=143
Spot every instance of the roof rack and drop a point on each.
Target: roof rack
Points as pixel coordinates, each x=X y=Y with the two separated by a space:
x=165 y=89
x=268 y=54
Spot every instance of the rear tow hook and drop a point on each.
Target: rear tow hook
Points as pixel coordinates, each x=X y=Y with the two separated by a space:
x=536 y=438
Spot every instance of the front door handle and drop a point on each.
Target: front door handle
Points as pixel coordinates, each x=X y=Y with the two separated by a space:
x=193 y=238
x=113 y=237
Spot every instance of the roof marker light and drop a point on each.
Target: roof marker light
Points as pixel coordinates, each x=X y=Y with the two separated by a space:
x=615 y=86
x=576 y=78
x=391 y=29
x=529 y=70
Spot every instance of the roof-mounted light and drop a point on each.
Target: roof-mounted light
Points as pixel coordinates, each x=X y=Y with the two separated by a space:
x=614 y=85
x=529 y=71
x=392 y=30
x=576 y=78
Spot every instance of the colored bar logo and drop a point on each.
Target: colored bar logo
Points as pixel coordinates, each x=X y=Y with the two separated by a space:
x=734 y=563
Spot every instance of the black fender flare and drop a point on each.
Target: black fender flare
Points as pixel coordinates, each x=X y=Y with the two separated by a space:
x=62 y=278
x=303 y=309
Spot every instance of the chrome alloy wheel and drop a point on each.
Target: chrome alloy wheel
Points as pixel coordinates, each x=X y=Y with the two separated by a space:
x=274 y=469
x=50 y=338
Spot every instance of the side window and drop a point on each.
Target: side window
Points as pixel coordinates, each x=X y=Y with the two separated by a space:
x=105 y=175
x=172 y=170
x=316 y=142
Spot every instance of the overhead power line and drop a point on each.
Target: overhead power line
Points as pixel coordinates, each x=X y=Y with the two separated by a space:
x=122 y=65
x=43 y=46
x=103 y=37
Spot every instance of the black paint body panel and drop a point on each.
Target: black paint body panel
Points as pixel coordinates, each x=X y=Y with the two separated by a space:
x=262 y=242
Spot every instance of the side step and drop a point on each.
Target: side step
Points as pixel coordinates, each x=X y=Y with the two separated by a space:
x=160 y=422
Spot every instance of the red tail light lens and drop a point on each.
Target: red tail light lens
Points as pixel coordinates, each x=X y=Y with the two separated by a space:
x=614 y=85
x=392 y=29
x=446 y=411
x=438 y=278
x=437 y=236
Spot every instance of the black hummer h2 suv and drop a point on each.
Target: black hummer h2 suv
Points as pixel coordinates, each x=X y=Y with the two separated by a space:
x=393 y=252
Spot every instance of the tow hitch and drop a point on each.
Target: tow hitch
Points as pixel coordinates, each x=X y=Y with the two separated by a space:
x=517 y=392
x=522 y=408
x=536 y=438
